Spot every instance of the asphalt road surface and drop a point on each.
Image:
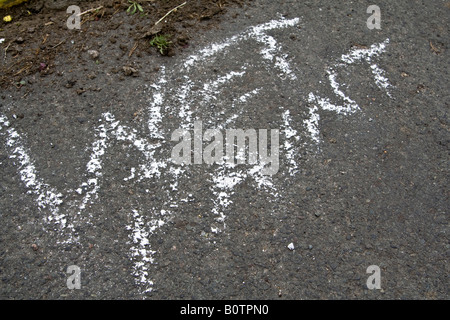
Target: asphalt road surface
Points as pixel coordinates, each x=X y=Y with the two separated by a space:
x=354 y=121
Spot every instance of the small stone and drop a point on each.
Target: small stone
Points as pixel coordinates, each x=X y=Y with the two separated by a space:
x=70 y=83
x=129 y=71
x=93 y=54
x=81 y=120
x=34 y=247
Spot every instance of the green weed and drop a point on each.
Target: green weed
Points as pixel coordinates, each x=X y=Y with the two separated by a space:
x=161 y=42
x=134 y=6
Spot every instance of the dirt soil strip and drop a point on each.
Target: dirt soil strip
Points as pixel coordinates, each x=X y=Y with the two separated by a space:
x=38 y=32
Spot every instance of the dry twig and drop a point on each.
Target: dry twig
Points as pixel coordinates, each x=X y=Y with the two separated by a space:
x=90 y=10
x=174 y=9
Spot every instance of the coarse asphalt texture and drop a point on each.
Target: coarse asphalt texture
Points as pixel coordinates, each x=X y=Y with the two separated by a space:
x=362 y=114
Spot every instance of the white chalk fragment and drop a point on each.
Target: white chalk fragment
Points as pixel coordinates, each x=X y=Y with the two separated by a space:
x=348 y=105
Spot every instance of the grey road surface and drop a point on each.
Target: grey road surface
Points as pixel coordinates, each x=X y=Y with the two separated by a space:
x=354 y=121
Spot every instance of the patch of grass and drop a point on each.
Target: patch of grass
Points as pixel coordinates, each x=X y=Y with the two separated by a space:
x=134 y=6
x=161 y=42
